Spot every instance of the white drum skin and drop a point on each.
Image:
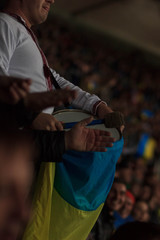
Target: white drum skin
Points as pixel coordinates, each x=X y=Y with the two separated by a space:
x=75 y=115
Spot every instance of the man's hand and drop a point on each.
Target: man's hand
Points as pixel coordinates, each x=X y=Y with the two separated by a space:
x=102 y=110
x=47 y=122
x=80 y=138
x=42 y=100
x=13 y=89
x=39 y=101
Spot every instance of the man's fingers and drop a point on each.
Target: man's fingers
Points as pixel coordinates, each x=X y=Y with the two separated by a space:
x=122 y=128
x=85 y=121
x=103 y=144
x=56 y=125
x=99 y=149
x=72 y=93
x=48 y=128
x=52 y=126
x=59 y=126
x=101 y=133
x=25 y=86
x=18 y=81
x=14 y=95
x=104 y=139
x=21 y=92
x=28 y=81
x=100 y=143
x=65 y=95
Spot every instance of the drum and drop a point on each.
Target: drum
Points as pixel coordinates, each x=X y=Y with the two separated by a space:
x=70 y=117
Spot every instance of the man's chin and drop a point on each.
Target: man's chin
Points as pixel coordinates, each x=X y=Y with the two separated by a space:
x=43 y=18
x=39 y=20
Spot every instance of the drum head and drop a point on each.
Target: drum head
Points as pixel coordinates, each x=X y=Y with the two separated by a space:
x=75 y=115
x=71 y=115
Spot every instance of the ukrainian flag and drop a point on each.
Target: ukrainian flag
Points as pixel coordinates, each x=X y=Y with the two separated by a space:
x=146 y=147
x=70 y=195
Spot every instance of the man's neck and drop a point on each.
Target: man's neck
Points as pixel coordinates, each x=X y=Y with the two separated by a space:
x=17 y=11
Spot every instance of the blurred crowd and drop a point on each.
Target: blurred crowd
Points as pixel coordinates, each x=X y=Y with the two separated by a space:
x=130 y=84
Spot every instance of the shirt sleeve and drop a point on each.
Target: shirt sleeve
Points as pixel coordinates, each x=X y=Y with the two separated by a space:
x=84 y=100
x=7 y=46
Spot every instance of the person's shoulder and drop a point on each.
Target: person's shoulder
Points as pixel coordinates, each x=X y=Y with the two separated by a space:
x=5 y=17
x=8 y=21
x=9 y=26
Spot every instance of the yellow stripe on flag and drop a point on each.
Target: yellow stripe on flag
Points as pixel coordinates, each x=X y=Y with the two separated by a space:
x=38 y=228
x=149 y=149
x=54 y=218
x=69 y=223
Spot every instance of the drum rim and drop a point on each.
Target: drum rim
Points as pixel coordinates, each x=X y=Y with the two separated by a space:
x=72 y=110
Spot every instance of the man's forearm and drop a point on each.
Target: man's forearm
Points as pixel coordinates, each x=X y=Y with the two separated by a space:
x=50 y=145
x=84 y=100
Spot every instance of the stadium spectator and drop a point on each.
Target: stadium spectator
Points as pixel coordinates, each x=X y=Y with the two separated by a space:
x=114 y=202
x=124 y=214
x=141 y=211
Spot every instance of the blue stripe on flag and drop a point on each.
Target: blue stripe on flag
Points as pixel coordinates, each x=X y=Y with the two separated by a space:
x=85 y=178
